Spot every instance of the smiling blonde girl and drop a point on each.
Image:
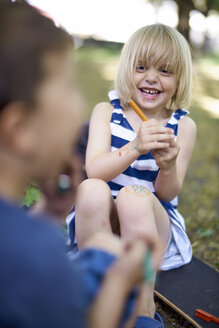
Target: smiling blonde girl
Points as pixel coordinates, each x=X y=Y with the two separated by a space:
x=142 y=164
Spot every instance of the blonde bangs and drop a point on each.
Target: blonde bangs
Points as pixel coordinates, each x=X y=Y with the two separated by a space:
x=157 y=49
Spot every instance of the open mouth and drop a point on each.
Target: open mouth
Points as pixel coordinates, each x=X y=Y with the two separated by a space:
x=151 y=92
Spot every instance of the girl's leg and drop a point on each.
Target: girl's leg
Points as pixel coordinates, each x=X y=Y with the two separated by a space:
x=93 y=210
x=107 y=242
x=140 y=213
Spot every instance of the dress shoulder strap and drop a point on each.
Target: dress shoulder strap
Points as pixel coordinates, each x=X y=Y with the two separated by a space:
x=174 y=119
x=114 y=99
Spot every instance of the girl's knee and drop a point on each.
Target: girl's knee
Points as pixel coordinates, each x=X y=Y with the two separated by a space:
x=92 y=188
x=135 y=204
x=92 y=194
x=134 y=192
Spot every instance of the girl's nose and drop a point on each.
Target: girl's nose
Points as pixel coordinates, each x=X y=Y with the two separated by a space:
x=151 y=75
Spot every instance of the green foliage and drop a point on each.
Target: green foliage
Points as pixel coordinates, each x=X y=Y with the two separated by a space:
x=32 y=194
x=213 y=4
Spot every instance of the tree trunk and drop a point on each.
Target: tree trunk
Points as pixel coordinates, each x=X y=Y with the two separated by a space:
x=184 y=8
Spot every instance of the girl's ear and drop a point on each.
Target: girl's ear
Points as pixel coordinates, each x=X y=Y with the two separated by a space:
x=15 y=128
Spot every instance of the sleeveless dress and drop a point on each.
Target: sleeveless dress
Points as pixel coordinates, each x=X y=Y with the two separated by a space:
x=143 y=171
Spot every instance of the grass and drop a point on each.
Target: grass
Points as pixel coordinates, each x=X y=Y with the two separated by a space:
x=199 y=197
x=95 y=71
x=96 y=67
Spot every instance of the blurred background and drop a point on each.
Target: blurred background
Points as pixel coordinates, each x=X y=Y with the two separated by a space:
x=100 y=27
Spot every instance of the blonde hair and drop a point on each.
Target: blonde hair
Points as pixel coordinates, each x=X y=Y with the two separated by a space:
x=155 y=45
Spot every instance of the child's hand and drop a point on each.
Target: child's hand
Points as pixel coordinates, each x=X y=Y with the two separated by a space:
x=152 y=135
x=130 y=263
x=166 y=158
x=124 y=274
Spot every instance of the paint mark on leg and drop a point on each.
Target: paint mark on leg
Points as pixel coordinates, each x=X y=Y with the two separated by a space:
x=137 y=190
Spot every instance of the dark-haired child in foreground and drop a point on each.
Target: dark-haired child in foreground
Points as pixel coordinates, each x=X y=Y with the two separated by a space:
x=39 y=120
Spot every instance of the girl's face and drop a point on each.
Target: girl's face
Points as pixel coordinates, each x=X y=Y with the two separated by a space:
x=155 y=86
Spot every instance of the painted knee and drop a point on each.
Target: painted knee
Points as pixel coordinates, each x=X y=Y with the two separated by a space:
x=93 y=195
x=135 y=210
x=134 y=193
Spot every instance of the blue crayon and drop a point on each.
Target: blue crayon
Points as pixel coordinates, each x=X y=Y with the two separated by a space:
x=149 y=271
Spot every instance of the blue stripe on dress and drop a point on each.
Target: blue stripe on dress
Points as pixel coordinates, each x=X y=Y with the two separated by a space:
x=117 y=118
x=116 y=103
x=173 y=126
x=146 y=156
x=119 y=142
x=114 y=186
x=171 y=210
x=179 y=113
x=141 y=174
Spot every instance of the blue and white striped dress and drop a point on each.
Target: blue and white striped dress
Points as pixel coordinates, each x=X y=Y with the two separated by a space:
x=143 y=171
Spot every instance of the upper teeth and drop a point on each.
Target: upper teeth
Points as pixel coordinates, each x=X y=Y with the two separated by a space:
x=150 y=91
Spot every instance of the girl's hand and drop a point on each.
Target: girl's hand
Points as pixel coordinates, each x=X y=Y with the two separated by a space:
x=166 y=158
x=152 y=135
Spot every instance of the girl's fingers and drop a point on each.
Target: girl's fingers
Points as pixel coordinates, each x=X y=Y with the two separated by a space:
x=160 y=152
x=158 y=145
x=162 y=130
x=162 y=137
x=152 y=135
x=156 y=128
x=173 y=143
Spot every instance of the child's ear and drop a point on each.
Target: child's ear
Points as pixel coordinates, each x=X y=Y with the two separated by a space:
x=15 y=128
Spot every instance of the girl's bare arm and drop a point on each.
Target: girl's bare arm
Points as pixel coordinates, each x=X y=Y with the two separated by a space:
x=106 y=165
x=170 y=178
x=100 y=162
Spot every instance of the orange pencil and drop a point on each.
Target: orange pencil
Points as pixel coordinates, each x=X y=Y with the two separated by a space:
x=137 y=110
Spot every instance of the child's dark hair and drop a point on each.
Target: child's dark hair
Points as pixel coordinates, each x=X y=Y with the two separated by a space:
x=26 y=36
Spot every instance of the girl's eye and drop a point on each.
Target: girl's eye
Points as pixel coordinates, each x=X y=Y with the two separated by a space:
x=164 y=71
x=141 y=68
